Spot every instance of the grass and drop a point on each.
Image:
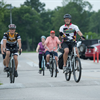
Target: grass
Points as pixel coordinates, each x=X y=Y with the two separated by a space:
x=28 y=51
x=0 y=83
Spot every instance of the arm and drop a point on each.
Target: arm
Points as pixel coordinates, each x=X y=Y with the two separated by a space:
x=37 y=48
x=79 y=32
x=2 y=48
x=4 y=44
x=60 y=37
x=81 y=35
x=46 y=42
x=58 y=41
x=19 y=43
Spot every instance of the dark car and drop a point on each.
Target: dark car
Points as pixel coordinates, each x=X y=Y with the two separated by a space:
x=82 y=47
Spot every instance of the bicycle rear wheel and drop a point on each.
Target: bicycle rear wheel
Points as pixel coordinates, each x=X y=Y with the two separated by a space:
x=55 y=68
x=77 y=70
x=68 y=75
x=12 y=76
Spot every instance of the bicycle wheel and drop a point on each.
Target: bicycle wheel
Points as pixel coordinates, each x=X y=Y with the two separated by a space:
x=55 y=67
x=68 y=75
x=77 y=70
x=43 y=69
x=51 y=68
x=12 y=77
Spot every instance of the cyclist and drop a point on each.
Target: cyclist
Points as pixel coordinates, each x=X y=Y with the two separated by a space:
x=40 y=47
x=51 y=43
x=67 y=33
x=10 y=40
x=3 y=54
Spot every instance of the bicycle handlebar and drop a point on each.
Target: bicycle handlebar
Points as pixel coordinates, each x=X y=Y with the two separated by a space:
x=13 y=49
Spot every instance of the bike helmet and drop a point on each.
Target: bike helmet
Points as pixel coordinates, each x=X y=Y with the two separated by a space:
x=67 y=16
x=52 y=31
x=12 y=26
x=43 y=37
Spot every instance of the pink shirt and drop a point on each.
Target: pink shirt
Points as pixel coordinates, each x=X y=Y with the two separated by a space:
x=52 y=43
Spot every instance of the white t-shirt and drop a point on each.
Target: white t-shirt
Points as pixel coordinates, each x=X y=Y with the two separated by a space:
x=70 y=31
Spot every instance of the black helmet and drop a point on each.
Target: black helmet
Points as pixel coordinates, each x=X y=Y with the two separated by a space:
x=12 y=26
x=67 y=16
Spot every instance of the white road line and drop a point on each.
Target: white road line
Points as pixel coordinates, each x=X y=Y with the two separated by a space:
x=9 y=86
x=32 y=64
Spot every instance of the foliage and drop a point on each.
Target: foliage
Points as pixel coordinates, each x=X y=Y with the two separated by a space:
x=32 y=20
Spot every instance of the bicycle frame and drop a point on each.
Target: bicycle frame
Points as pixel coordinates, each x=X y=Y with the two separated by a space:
x=43 y=61
x=10 y=62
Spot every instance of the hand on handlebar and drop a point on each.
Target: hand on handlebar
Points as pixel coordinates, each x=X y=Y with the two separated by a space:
x=20 y=50
x=60 y=46
x=82 y=37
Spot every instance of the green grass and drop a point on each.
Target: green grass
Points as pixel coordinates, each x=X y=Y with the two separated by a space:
x=28 y=51
x=0 y=83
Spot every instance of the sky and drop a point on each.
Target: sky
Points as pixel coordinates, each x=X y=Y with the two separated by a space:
x=51 y=4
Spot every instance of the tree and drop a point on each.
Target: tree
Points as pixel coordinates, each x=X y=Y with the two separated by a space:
x=91 y=35
x=35 y=4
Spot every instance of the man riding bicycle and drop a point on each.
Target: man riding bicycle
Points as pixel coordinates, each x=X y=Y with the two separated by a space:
x=10 y=40
x=51 y=44
x=67 y=33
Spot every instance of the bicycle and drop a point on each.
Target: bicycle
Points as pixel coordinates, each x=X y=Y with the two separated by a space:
x=12 y=66
x=53 y=65
x=73 y=65
x=43 y=62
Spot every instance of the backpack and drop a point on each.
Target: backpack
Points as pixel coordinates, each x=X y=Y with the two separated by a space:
x=60 y=61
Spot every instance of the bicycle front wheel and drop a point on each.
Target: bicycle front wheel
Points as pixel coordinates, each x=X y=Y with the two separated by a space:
x=68 y=74
x=12 y=76
x=43 y=69
x=77 y=70
x=51 y=68
x=55 y=67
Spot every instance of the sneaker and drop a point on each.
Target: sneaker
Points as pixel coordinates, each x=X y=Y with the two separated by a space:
x=57 y=71
x=16 y=74
x=6 y=69
x=64 y=69
x=40 y=70
x=48 y=67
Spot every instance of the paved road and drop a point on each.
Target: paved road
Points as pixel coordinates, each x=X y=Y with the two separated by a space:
x=32 y=86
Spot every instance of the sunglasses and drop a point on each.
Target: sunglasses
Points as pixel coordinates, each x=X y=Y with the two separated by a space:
x=12 y=29
x=52 y=33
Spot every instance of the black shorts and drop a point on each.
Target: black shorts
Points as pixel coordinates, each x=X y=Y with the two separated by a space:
x=47 y=52
x=3 y=55
x=13 y=47
x=69 y=45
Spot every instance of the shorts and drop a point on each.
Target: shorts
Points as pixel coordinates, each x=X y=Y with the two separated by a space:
x=69 y=45
x=3 y=55
x=47 y=52
x=13 y=47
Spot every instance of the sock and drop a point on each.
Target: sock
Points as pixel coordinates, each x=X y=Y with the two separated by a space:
x=48 y=63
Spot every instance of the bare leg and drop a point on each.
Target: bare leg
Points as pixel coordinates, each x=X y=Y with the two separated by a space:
x=65 y=55
x=77 y=52
x=7 y=58
x=47 y=58
x=4 y=62
x=16 y=61
x=56 y=58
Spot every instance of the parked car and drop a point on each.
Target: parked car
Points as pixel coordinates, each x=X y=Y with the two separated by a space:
x=83 y=44
x=90 y=50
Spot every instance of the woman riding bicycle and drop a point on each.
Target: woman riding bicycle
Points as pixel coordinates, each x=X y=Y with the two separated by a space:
x=40 y=48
